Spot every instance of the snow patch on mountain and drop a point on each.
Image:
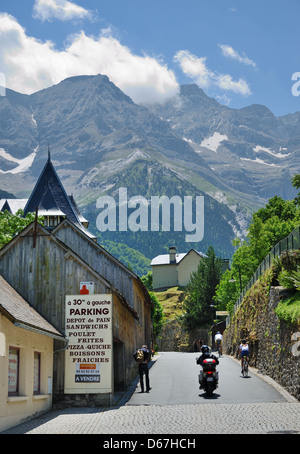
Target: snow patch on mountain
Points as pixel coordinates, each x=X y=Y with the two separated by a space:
x=258 y=149
x=22 y=164
x=213 y=142
x=260 y=161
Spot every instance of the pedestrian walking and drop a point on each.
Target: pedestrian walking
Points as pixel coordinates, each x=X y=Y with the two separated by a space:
x=195 y=345
x=142 y=357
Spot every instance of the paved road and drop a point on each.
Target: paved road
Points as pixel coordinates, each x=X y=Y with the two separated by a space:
x=174 y=381
x=175 y=405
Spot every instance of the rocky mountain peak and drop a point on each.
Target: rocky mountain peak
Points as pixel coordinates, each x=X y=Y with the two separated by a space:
x=100 y=139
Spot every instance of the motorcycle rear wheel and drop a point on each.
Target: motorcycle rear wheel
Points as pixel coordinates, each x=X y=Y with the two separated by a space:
x=209 y=389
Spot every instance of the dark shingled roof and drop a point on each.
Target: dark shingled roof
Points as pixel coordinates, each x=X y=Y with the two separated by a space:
x=49 y=194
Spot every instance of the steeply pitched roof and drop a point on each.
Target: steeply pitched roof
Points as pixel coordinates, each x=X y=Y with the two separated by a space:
x=85 y=235
x=21 y=313
x=32 y=230
x=50 y=195
x=12 y=205
x=66 y=224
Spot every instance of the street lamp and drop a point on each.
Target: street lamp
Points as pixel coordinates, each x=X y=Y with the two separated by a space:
x=234 y=280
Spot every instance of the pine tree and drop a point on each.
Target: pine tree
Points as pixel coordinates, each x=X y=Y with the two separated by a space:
x=198 y=304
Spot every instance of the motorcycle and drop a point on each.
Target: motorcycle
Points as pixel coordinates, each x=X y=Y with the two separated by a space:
x=209 y=376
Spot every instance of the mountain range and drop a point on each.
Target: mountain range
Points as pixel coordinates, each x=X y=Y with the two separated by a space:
x=100 y=141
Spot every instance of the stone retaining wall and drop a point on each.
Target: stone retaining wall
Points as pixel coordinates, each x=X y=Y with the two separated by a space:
x=173 y=339
x=275 y=346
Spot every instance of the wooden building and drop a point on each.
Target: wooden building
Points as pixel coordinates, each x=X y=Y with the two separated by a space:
x=47 y=264
x=44 y=268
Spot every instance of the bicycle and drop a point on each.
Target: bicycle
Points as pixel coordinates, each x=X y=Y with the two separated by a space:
x=245 y=367
x=219 y=347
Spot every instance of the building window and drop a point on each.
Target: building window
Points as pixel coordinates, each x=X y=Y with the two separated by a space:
x=37 y=373
x=13 y=371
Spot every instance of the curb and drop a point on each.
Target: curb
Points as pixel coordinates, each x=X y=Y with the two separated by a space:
x=123 y=399
x=271 y=382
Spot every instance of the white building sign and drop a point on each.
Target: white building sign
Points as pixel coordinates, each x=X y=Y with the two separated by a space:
x=88 y=358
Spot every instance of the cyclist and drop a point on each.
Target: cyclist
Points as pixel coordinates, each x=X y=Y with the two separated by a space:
x=218 y=341
x=243 y=351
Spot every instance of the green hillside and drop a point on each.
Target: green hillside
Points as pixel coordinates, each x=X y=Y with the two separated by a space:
x=132 y=258
x=147 y=178
x=171 y=300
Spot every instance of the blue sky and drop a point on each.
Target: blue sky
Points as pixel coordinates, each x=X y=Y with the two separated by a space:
x=240 y=52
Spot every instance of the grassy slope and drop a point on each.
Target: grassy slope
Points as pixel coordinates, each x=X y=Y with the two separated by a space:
x=289 y=309
x=171 y=300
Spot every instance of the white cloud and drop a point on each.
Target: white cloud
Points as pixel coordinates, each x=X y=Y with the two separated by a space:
x=31 y=65
x=196 y=69
x=225 y=82
x=229 y=52
x=63 y=10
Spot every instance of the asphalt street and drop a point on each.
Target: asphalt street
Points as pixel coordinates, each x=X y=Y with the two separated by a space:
x=174 y=381
x=176 y=408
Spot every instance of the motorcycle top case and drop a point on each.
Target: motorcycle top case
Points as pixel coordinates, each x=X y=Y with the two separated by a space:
x=209 y=364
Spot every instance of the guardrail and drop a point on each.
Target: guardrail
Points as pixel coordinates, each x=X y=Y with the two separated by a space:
x=289 y=243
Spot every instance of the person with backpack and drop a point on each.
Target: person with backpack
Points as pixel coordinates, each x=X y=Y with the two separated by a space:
x=142 y=357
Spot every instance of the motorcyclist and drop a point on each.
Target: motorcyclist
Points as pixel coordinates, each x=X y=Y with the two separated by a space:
x=205 y=355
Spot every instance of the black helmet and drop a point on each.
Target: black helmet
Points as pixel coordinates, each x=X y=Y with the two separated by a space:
x=205 y=349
